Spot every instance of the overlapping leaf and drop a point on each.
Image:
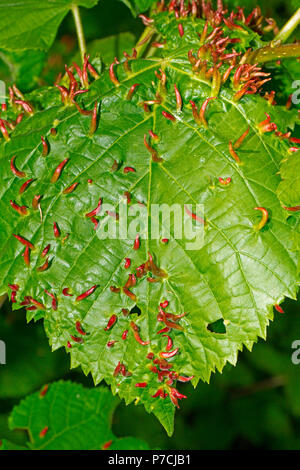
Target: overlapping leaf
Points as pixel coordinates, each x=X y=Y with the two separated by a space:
x=289 y=188
x=234 y=279
x=33 y=24
x=22 y=68
x=67 y=416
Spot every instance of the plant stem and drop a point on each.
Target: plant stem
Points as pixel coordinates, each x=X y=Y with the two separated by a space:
x=289 y=27
x=79 y=31
x=272 y=52
x=144 y=40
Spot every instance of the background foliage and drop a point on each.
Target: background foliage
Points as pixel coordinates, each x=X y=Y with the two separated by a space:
x=254 y=405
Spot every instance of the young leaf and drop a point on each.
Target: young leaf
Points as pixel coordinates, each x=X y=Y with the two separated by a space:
x=33 y=24
x=247 y=262
x=68 y=416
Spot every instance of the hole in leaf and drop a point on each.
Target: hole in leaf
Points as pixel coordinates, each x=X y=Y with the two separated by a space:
x=136 y=309
x=217 y=326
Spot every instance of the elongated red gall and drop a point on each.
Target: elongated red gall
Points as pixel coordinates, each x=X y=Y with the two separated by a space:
x=137 y=242
x=22 y=210
x=278 y=308
x=16 y=172
x=131 y=91
x=26 y=256
x=180 y=30
x=233 y=153
x=135 y=330
x=79 y=328
x=141 y=384
x=129 y=169
x=86 y=294
x=45 y=147
x=25 y=186
x=264 y=218
x=58 y=170
x=56 y=230
x=127 y=263
x=44 y=267
x=111 y=322
x=70 y=189
x=96 y=210
x=168 y=116
x=24 y=241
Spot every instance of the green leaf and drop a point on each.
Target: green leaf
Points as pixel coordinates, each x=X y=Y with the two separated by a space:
x=289 y=188
x=7 y=445
x=18 y=436
x=21 y=68
x=138 y=6
x=234 y=279
x=31 y=24
x=68 y=417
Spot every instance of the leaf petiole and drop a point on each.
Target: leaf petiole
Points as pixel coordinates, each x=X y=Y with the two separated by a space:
x=144 y=40
x=79 y=31
x=272 y=52
x=289 y=27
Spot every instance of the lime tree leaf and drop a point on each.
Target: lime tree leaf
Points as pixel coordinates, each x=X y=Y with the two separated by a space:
x=7 y=445
x=138 y=6
x=289 y=194
x=68 y=416
x=18 y=437
x=223 y=291
x=167 y=26
x=31 y=24
x=21 y=68
x=128 y=443
x=289 y=188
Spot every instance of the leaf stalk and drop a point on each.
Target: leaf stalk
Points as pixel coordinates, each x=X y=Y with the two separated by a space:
x=274 y=52
x=79 y=31
x=289 y=27
x=144 y=40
